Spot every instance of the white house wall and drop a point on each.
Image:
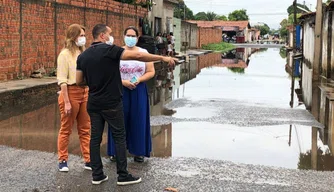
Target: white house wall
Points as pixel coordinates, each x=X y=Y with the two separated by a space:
x=308 y=52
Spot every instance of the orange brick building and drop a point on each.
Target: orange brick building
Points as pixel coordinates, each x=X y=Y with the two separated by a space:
x=32 y=32
x=241 y=29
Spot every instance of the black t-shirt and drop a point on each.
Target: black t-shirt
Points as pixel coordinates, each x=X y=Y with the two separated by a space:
x=100 y=66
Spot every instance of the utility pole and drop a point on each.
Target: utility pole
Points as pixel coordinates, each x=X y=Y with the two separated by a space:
x=294 y=39
x=315 y=81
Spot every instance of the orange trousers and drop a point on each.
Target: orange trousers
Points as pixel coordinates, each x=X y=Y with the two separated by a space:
x=78 y=97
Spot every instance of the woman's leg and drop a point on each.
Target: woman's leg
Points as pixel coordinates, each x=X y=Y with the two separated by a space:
x=66 y=121
x=83 y=126
x=139 y=131
x=126 y=109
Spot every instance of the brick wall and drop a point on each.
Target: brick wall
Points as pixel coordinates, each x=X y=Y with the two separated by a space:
x=32 y=32
x=209 y=35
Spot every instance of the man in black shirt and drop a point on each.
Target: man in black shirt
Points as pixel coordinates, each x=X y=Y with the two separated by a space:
x=99 y=67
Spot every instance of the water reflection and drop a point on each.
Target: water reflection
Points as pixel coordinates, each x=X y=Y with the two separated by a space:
x=238 y=60
x=38 y=130
x=265 y=82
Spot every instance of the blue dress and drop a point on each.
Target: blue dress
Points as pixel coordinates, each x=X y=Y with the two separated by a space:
x=136 y=113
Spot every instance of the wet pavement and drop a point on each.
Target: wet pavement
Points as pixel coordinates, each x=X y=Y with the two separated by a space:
x=233 y=130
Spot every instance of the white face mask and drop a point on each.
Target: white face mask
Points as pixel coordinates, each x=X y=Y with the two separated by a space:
x=111 y=40
x=81 y=41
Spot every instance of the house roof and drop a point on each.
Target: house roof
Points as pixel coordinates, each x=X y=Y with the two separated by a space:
x=241 y=24
x=306 y=15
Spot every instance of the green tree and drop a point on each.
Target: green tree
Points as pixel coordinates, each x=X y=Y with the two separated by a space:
x=211 y=16
x=222 y=18
x=290 y=9
x=201 y=16
x=179 y=12
x=291 y=18
x=273 y=31
x=264 y=29
x=283 y=30
x=238 y=15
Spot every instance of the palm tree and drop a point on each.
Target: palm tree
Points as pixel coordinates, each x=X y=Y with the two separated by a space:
x=211 y=16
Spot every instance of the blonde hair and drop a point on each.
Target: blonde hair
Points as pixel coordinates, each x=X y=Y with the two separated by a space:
x=72 y=33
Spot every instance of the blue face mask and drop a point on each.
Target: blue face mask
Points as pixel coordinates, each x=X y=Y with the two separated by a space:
x=130 y=41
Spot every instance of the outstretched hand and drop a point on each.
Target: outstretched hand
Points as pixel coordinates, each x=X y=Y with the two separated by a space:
x=170 y=60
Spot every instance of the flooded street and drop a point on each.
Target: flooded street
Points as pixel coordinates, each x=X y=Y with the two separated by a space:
x=227 y=126
x=243 y=116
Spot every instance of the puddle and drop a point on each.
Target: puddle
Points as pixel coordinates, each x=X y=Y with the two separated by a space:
x=269 y=145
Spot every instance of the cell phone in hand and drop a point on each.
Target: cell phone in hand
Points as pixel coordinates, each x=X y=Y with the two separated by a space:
x=180 y=61
x=133 y=80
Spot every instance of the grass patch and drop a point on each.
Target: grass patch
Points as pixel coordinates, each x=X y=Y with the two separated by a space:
x=219 y=47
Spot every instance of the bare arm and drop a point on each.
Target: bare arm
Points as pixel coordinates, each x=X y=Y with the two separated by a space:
x=64 y=92
x=149 y=73
x=62 y=75
x=79 y=78
x=146 y=57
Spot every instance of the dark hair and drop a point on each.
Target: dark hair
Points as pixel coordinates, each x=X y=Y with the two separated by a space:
x=159 y=34
x=98 y=29
x=131 y=28
x=171 y=33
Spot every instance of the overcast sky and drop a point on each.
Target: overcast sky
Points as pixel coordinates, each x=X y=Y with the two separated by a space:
x=271 y=12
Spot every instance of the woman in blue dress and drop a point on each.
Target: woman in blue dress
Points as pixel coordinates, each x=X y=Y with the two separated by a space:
x=135 y=102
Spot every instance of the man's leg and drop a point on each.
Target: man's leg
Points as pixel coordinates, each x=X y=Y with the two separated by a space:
x=97 y=126
x=115 y=119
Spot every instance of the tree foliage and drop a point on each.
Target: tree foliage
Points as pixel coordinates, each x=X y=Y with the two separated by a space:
x=209 y=16
x=264 y=29
x=222 y=18
x=290 y=9
x=291 y=18
x=283 y=30
x=238 y=15
x=179 y=12
x=201 y=16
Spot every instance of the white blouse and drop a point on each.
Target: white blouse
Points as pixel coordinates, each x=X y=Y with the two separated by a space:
x=132 y=68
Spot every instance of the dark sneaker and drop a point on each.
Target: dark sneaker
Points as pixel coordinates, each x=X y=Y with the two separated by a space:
x=63 y=166
x=88 y=166
x=100 y=180
x=129 y=180
x=139 y=159
x=113 y=158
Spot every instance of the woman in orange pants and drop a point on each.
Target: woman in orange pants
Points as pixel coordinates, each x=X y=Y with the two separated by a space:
x=72 y=99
